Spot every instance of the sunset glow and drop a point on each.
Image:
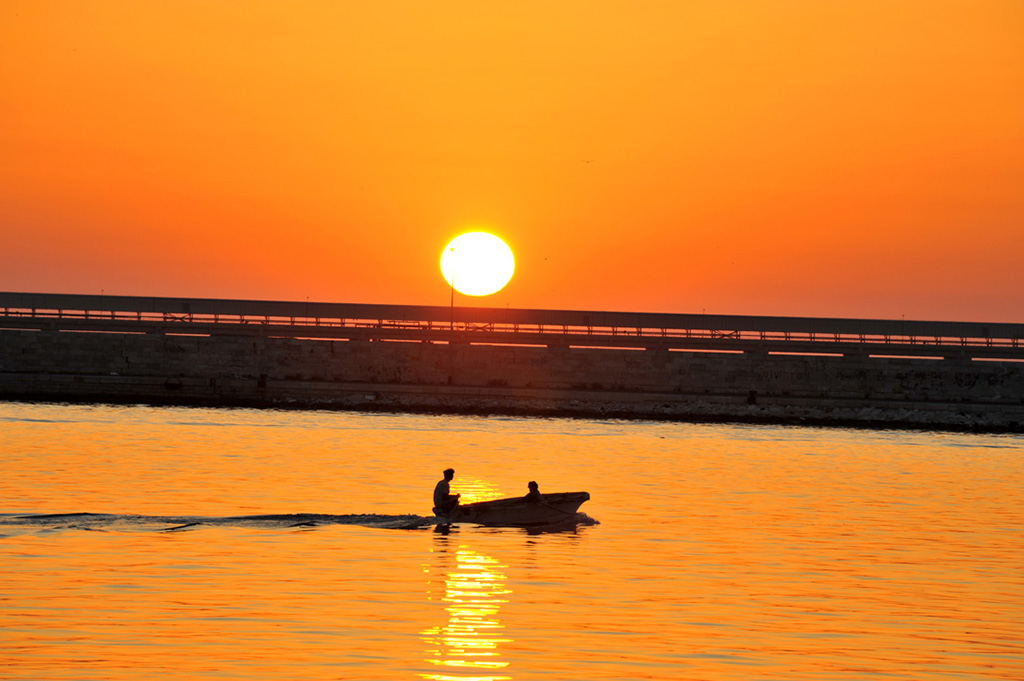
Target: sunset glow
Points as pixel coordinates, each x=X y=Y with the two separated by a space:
x=849 y=158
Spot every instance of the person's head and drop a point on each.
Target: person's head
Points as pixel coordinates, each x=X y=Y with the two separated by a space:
x=532 y=485
x=449 y=473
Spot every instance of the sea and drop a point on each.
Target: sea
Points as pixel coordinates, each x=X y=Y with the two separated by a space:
x=142 y=542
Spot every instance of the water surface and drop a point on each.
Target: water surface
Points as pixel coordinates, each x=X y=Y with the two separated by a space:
x=277 y=545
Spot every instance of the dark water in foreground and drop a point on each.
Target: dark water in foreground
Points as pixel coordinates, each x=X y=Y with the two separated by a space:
x=218 y=544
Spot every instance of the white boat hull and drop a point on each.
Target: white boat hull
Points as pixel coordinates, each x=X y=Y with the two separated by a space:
x=518 y=512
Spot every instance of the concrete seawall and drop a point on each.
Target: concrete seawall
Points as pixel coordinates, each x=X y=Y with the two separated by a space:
x=42 y=358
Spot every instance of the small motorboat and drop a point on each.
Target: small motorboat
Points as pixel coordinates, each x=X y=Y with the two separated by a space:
x=546 y=509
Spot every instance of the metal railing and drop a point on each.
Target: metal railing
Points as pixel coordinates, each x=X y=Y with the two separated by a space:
x=503 y=325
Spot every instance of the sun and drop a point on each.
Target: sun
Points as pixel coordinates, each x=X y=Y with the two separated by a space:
x=477 y=264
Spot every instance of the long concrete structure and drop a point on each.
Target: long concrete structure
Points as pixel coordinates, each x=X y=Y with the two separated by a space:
x=270 y=353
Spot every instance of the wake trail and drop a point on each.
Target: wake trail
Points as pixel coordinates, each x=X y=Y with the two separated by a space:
x=175 y=523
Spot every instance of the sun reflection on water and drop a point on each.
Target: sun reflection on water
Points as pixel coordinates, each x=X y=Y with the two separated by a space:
x=475 y=489
x=472 y=586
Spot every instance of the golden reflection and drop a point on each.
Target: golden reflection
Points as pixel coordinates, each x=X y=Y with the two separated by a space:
x=474 y=489
x=472 y=587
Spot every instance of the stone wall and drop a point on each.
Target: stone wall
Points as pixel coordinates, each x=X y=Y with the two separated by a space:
x=658 y=383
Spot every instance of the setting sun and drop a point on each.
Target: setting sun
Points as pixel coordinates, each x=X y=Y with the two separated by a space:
x=477 y=264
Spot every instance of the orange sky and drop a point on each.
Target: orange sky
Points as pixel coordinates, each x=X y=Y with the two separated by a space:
x=841 y=158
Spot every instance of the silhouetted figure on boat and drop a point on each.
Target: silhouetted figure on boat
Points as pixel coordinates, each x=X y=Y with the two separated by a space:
x=444 y=501
x=533 y=496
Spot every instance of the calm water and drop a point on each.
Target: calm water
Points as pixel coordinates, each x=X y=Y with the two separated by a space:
x=720 y=552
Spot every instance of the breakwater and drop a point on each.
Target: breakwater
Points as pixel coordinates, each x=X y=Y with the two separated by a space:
x=486 y=360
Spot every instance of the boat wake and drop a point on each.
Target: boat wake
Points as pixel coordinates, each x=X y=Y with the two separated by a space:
x=106 y=522
x=13 y=524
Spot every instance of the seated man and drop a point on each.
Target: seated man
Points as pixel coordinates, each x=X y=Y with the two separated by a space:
x=533 y=496
x=444 y=501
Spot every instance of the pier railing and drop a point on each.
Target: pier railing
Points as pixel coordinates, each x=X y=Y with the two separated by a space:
x=558 y=328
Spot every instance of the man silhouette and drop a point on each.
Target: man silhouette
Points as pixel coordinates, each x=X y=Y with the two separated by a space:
x=444 y=501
